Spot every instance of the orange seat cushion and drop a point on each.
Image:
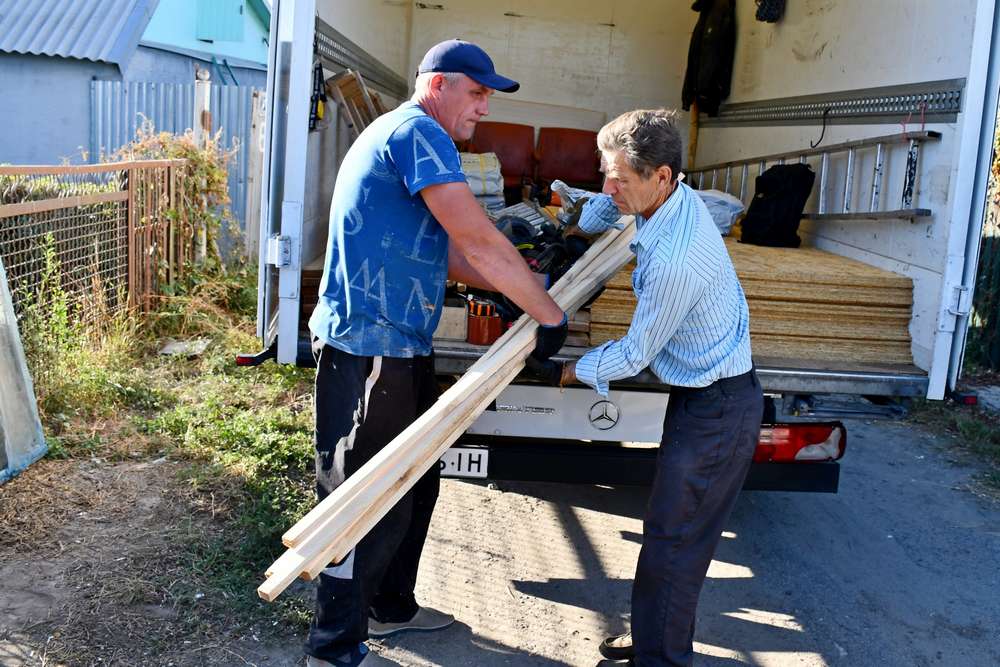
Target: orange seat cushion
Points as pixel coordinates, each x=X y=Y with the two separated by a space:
x=570 y=156
x=514 y=145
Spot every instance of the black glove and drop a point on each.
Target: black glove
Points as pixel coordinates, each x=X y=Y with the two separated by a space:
x=550 y=339
x=548 y=371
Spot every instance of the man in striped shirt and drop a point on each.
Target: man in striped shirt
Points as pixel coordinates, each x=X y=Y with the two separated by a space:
x=691 y=327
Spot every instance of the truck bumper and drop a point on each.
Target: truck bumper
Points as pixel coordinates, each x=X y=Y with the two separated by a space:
x=575 y=463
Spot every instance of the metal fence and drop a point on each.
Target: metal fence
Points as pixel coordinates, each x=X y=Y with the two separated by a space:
x=118 y=110
x=114 y=232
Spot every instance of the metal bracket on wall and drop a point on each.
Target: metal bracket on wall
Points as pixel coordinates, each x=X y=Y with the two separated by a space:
x=339 y=53
x=928 y=102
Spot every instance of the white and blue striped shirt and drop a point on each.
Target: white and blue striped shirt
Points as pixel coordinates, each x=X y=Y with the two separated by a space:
x=691 y=324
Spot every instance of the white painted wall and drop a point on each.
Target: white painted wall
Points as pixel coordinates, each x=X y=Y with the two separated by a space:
x=833 y=45
x=827 y=45
x=381 y=28
x=579 y=63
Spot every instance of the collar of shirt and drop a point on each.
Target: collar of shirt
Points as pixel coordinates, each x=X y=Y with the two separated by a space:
x=649 y=232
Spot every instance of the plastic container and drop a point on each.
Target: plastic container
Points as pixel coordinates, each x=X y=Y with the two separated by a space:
x=484 y=329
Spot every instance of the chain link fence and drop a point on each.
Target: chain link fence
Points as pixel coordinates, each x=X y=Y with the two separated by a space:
x=106 y=235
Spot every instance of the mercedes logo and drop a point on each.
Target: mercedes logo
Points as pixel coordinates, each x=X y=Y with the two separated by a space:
x=603 y=415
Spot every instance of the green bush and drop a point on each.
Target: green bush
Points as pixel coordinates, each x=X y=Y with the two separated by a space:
x=204 y=200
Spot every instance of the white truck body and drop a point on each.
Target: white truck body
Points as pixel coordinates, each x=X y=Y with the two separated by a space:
x=581 y=63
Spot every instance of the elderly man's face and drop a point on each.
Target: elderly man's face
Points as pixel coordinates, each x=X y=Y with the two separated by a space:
x=633 y=194
x=460 y=105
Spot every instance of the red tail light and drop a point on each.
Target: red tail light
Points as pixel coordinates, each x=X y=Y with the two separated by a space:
x=786 y=443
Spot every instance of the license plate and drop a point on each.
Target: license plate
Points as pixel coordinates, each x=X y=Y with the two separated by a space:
x=464 y=462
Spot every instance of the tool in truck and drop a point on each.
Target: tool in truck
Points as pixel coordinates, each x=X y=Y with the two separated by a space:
x=402 y=220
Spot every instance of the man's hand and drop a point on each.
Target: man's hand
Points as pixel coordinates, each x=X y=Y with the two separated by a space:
x=550 y=339
x=552 y=373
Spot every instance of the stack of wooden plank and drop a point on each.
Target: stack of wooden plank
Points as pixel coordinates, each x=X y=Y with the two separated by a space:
x=805 y=304
x=329 y=532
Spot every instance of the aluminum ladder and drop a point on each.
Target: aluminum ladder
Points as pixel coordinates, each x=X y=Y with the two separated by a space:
x=838 y=168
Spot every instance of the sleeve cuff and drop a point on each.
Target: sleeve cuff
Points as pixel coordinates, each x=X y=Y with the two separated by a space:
x=586 y=370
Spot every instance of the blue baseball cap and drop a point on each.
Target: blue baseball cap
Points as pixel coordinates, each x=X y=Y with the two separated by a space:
x=456 y=55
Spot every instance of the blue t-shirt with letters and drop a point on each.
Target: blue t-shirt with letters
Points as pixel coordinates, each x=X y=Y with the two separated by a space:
x=387 y=257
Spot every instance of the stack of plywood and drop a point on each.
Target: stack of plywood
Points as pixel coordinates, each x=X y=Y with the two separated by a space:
x=805 y=304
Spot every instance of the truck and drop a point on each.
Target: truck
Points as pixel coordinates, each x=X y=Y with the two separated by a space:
x=893 y=104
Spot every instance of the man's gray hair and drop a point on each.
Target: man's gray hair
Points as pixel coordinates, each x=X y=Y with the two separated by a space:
x=646 y=138
x=424 y=78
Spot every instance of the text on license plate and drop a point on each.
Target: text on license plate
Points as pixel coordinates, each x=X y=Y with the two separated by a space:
x=464 y=462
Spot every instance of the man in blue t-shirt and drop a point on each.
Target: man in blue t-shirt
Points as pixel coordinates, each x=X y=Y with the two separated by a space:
x=402 y=221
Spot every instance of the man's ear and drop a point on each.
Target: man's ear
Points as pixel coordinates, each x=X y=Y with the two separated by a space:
x=666 y=173
x=438 y=82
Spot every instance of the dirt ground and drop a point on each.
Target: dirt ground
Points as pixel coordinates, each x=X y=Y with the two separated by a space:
x=899 y=568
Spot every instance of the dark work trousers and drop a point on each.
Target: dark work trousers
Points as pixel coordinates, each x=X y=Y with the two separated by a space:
x=709 y=436
x=362 y=403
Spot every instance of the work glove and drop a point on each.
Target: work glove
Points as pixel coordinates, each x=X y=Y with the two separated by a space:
x=548 y=371
x=550 y=339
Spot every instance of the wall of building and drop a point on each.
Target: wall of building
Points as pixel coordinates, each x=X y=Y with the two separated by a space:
x=380 y=28
x=152 y=64
x=46 y=108
x=579 y=63
x=175 y=23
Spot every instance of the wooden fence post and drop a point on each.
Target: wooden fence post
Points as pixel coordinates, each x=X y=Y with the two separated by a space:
x=202 y=131
x=255 y=159
x=133 y=254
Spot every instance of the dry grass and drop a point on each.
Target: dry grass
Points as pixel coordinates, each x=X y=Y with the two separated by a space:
x=142 y=536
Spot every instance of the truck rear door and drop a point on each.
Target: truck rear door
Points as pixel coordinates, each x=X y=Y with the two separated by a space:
x=288 y=89
x=970 y=209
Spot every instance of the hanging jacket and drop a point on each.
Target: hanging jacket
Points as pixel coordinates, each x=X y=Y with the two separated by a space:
x=710 y=56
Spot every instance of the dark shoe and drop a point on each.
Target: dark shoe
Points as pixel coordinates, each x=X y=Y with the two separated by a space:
x=618 y=647
x=371 y=659
x=426 y=619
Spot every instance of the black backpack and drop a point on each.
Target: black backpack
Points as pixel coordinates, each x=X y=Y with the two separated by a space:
x=774 y=214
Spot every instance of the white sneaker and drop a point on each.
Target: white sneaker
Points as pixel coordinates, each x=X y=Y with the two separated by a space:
x=425 y=620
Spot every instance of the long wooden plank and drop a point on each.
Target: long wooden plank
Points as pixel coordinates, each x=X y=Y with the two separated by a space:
x=41 y=170
x=447 y=433
x=448 y=401
x=500 y=364
x=313 y=555
x=283 y=570
x=58 y=203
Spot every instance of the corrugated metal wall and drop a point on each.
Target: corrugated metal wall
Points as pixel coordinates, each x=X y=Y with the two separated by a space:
x=117 y=110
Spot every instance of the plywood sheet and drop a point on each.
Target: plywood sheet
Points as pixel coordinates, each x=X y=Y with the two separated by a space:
x=820 y=348
x=804 y=303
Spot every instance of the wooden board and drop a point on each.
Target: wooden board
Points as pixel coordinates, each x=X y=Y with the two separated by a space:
x=804 y=303
x=808 y=265
x=332 y=528
x=799 y=347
